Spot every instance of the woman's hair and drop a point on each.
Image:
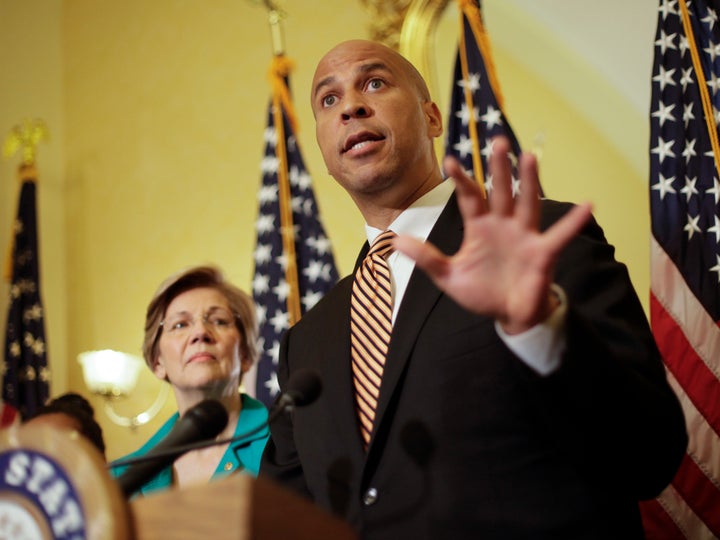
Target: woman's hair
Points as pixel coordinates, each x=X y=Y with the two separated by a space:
x=77 y=407
x=241 y=305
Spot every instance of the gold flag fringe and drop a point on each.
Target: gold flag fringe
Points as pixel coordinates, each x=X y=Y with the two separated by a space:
x=279 y=69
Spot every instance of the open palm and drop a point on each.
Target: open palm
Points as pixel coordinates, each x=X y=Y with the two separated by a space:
x=504 y=267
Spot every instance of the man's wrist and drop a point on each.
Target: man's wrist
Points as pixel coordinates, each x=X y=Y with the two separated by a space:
x=541 y=347
x=555 y=298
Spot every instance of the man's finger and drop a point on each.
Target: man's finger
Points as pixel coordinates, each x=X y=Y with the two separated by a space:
x=568 y=227
x=426 y=256
x=501 y=197
x=470 y=197
x=527 y=208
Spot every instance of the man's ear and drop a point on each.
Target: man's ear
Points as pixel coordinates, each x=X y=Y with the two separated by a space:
x=433 y=118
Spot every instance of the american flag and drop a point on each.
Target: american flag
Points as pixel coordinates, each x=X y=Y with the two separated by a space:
x=292 y=270
x=476 y=107
x=685 y=255
x=26 y=376
x=8 y=415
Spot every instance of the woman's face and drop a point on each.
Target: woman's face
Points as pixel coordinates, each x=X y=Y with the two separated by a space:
x=200 y=344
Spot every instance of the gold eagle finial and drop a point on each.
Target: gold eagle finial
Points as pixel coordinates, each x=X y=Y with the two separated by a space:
x=25 y=137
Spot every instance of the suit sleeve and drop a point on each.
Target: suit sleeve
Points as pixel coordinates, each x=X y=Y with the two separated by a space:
x=280 y=459
x=609 y=405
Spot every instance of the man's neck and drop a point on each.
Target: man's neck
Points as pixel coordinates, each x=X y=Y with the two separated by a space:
x=380 y=211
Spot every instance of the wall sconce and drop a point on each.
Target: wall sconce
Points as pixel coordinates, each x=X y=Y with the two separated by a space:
x=113 y=375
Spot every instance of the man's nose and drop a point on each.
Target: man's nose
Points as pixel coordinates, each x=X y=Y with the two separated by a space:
x=355 y=107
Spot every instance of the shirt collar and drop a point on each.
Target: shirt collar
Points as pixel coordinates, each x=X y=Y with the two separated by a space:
x=419 y=218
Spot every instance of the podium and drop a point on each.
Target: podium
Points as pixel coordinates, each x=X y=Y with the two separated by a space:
x=54 y=485
x=238 y=507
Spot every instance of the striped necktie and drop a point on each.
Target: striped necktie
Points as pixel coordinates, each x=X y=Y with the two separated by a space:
x=371 y=309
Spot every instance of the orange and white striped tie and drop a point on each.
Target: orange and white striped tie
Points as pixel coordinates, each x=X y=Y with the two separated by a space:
x=371 y=309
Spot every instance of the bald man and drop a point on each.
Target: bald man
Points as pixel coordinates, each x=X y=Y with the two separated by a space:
x=522 y=394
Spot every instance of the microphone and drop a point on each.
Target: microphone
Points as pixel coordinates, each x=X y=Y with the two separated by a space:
x=202 y=421
x=303 y=388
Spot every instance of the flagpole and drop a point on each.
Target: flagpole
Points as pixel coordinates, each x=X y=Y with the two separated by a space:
x=472 y=126
x=286 y=218
x=294 y=263
x=279 y=70
x=705 y=97
x=470 y=11
x=275 y=15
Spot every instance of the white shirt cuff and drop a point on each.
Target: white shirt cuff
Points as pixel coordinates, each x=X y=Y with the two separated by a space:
x=542 y=346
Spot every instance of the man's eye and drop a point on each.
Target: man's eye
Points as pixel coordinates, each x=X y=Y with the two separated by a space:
x=327 y=101
x=376 y=84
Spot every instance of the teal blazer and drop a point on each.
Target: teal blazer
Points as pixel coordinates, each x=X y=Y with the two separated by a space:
x=241 y=455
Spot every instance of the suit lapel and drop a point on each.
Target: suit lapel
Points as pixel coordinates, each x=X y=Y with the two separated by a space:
x=417 y=304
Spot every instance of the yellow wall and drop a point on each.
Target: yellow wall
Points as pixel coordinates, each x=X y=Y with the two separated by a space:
x=157 y=111
x=31 y=64
x=577 y=164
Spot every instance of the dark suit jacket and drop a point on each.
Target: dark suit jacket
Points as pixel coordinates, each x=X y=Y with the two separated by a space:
x=469 y=442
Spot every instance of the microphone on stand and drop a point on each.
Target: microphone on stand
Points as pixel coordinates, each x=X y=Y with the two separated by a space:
x=303 y=388
x=202 y=421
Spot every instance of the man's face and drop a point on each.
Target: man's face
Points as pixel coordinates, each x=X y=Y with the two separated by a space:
x=373 y=123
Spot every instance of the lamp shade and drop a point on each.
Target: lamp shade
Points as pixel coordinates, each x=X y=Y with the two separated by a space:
x=110 y=373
